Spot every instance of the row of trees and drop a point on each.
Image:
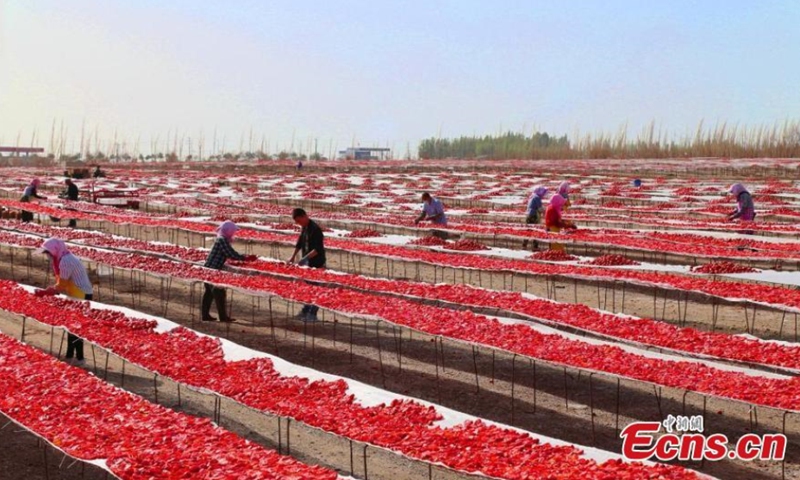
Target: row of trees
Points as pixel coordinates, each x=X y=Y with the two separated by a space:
x=781 y=140
x=508 y=145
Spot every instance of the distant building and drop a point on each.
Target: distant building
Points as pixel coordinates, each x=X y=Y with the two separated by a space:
x=18 y=151
x=359 y=153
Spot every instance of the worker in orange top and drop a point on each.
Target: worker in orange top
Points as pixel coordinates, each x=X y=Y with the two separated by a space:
x=553 y=217
x=71 y=280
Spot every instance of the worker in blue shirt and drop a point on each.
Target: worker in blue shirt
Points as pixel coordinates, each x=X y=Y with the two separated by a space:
x=535 y=207
x=432 y=210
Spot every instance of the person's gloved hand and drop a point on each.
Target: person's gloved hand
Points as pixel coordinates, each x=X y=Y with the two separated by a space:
x=45 y=292
x=250 y=258
x=303 y=262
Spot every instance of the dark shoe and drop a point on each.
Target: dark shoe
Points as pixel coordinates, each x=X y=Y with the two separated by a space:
x=310 y=318
x=302 y=316
x=209 y=319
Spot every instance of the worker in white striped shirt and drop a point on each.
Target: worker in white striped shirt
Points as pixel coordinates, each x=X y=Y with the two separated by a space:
x=71 y=280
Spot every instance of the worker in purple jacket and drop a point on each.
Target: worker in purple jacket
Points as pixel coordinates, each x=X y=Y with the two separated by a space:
x=745 y=209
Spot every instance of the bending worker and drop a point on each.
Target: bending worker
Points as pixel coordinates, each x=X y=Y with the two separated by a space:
x=554 y=220
x=432 y=210
x=745 y=209
x=535 y=206
x=219 y=254
x=71 y=280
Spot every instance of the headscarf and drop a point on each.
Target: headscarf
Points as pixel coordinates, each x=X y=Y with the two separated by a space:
x=737 y=189
x=35 y=183
x=540 y=191
x=557 y=202
x=563 y=189
x=227 y=229
x=57 y=249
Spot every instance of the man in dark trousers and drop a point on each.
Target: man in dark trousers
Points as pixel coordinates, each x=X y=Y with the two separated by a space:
x=71 y=194
x=312 y=243
x=219 y=254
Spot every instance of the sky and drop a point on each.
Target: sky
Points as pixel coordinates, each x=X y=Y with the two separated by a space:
x=386 y=73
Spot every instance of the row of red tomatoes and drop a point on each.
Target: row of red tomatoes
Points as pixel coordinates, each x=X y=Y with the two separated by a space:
x=644 y=331
x=464 y=325
x=405 y=426
x=761 y=293
x=92 y=420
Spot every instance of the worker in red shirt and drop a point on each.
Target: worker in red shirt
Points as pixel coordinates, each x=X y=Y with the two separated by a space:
x=554 y=220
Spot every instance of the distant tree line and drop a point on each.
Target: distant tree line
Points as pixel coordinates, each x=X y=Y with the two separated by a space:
x=507 y=145
x=781 y=140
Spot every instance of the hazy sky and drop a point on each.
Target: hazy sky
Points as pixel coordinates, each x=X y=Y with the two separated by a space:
x=390 y=72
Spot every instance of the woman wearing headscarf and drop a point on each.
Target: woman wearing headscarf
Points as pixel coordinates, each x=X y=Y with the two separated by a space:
x=72 y=281
x=563 y=190
x=31 y=191
x=745 y=209
x=554 y=219
x=535 y=205
x=219 y=254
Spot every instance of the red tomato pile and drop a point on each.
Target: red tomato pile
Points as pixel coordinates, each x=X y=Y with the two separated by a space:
x=685 y=191
x=284 y=226
x=92 y=420
x=404 y=426
x=430 y=241
x=611 y=261
x=364 y=233
x=554 y=256
x=310 y=195
x=464 y=245
x=722 y=268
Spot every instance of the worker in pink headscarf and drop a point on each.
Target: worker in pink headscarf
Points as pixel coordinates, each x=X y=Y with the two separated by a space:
x=745 y=209
x=71 y=280
x=563 y=190
x=554 y=219
x=219 y=254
